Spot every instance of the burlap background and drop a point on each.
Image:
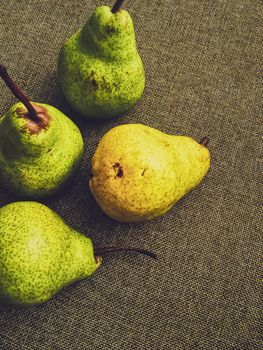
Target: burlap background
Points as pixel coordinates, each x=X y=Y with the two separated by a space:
x=203 y=65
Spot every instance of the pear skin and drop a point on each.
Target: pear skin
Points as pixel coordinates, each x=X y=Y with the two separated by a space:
x=39 y=254
x=139 y=173
x=37 y=162
x=40 y=147
x=100 y=71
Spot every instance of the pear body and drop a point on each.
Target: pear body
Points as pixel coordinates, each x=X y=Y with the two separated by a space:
x=39 y=254
x=100 y=71
x=139 y=172
x=36 y=161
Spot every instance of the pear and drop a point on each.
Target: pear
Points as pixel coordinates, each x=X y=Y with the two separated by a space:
x=100 y=71
x=139 y=172
x=40 y=254
x=40 y=148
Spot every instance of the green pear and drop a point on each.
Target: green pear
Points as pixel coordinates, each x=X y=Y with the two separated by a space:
x=100 y=71
x=139 y=172
x=40 y=148
x=40 y=254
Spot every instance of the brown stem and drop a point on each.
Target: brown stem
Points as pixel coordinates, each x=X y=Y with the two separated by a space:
x=204 y=141
x=117 y=6
x=18 y=93
x=105 y=250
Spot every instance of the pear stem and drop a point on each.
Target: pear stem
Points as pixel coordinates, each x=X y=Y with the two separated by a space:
x=204 y=141
x=105 y=250
x=18 y=93
x=117 y=6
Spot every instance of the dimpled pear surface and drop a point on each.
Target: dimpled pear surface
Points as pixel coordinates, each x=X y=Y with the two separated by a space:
x=39 y=254
x=38 y=164
x=100 y=71
x=139 y=172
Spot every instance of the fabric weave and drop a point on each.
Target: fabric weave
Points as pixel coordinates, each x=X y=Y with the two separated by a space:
x=203 y=62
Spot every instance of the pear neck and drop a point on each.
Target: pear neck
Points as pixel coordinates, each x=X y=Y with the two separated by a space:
x=36 y=117
x=35 y=126
x=21 y=137
x=109 y=36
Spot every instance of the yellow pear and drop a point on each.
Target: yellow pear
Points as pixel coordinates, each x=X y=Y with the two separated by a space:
x=139 y=172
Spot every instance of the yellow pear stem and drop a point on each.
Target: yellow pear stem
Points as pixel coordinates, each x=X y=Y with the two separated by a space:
x=204 y=141
x=18 y=93
x=106 y=250
x=117 y=6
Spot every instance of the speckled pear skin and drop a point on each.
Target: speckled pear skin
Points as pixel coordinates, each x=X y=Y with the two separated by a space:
x=139 y=172
x=100 y=71
x=39 y=254
x=38 y=165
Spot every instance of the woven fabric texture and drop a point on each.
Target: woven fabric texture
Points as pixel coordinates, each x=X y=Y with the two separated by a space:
x=203 y=62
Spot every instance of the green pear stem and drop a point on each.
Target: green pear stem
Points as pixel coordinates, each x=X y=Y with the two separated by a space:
x=204 y=141
x=117 y=6
x=18 y=93
x=106 y=250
